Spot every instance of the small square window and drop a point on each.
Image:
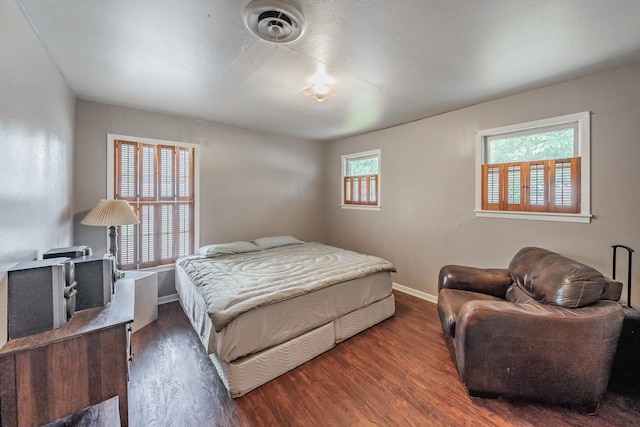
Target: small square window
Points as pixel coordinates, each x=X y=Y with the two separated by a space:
x=361 y=180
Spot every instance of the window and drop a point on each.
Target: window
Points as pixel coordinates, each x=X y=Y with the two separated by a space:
x=361 y=180
x=535 y=170
x=157 y=178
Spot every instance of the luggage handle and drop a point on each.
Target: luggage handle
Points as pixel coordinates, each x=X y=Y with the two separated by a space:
x=630 y=252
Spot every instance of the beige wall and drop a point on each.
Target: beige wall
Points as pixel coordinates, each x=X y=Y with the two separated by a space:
x=36 y=136
x=254 y=184
x=251 y=184
x=428 y=168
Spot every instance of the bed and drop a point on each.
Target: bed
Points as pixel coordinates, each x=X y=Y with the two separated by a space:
x=264 y=307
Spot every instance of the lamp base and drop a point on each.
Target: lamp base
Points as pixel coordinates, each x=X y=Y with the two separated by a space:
x=113 y=242
x=113 y=249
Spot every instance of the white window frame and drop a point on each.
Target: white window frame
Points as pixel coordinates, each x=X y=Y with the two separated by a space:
x=583 y=150
x=111 y=138
x=355 y=156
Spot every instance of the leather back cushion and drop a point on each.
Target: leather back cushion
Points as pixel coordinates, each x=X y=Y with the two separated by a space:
x=551 y=278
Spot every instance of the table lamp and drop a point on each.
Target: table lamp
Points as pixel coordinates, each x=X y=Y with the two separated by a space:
x=111 y=213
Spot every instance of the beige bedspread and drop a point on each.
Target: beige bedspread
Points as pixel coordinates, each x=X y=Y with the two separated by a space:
x=234 y=284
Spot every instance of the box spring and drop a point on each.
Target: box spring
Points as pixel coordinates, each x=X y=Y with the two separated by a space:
x=249 y=372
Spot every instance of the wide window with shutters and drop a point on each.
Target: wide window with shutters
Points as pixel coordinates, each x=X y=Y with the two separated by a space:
x=361 y=180
x=535 y=170
x=157 y=178
x=541 y=186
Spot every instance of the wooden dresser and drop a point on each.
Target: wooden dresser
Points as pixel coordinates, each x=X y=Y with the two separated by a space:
x=55 y=373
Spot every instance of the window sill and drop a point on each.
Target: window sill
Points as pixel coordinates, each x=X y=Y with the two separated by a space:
x=536 y=216
x=157 y=269
x=361 y=207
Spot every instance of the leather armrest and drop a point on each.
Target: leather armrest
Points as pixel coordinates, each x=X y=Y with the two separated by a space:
x=612 y=290
x=490 y=281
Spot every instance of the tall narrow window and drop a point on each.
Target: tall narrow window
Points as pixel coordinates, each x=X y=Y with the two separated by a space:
x=361 y=179
x=158 y=181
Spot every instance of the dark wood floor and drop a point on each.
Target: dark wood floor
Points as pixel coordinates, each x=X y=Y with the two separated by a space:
x=398 y=373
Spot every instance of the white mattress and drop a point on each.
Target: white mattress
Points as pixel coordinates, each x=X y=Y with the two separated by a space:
x=274 y=324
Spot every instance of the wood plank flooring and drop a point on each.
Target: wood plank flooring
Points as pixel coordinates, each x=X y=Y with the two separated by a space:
x=398 y=373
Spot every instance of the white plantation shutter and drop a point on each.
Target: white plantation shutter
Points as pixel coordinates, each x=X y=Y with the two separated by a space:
x=157 y=181
x=373 y=189
x=565 y=184
x=185 y=239
x=514 y=187
x=147 y=172
x=167 y=176
x=491 y=185
x=537 y=184
x=147 y=235
x=184 y=173
x=126 y=246
x=128 y=170
x=166 y=231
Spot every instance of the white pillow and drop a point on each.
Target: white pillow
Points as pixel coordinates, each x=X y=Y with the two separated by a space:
x=220 y=249
x=276 y=241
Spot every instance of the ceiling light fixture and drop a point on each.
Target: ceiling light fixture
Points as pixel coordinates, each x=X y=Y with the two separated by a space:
x=274 y=20
x=319 y=91
x=320 y=88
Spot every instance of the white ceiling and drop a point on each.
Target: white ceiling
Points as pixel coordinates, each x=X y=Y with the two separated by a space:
x=391 y=61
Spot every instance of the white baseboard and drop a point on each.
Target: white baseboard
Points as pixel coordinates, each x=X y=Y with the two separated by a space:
x=416 y=293
x=167 y=298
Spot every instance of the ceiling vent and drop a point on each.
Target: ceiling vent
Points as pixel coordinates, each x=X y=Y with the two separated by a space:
x=274 y=21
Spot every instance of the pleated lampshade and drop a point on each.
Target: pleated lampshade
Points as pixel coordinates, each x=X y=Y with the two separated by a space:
x=111 y=212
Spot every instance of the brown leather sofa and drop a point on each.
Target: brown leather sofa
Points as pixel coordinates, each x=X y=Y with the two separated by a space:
x=546 y=328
